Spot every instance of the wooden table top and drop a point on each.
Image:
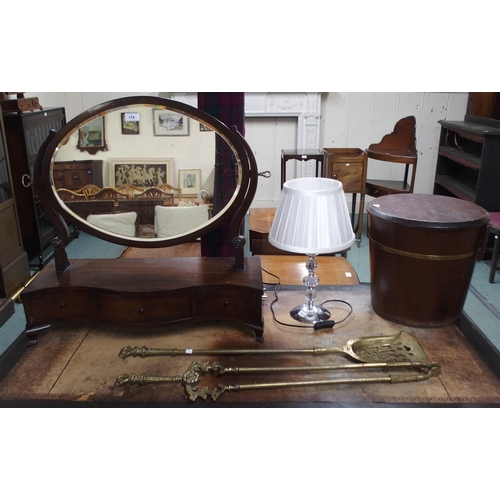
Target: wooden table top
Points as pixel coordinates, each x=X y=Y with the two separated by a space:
x=291 y=269
x=261 y=219
x=77 y=364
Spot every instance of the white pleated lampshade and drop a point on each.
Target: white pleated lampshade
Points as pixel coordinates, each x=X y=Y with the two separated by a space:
x=312 y=217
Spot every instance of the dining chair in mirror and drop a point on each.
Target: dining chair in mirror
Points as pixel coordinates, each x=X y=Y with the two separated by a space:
x=177 y=191
x=89 y=190
x=157 y=193
x=108 y=193
x=68 y=194
x=130 y=189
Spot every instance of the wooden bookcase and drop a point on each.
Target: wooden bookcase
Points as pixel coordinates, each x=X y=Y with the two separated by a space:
x=468 y=165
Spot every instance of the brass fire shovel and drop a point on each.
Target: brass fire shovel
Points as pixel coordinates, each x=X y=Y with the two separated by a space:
x=392 y=348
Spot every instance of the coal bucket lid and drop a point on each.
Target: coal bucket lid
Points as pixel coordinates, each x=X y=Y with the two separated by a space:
x=428 y=210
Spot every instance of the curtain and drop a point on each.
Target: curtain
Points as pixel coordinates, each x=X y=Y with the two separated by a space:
x=229 y=108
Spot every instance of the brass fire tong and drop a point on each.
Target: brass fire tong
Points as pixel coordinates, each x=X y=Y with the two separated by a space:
x=399 y=351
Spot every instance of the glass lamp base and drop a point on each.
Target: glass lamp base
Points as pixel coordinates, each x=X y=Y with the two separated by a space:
x=310 y=315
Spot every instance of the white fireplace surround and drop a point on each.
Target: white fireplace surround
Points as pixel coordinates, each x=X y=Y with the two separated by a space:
x=306 y=106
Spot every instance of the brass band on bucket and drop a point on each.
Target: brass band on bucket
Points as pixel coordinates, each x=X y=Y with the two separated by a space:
x=413 y=255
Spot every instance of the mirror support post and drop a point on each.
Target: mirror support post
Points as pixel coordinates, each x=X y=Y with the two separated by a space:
x=60 y=256
x=239 y=252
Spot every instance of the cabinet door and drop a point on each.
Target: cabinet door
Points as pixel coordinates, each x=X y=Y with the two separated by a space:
x=350 y=174
x=14 y=268
x=25 y=134
x=77 y=178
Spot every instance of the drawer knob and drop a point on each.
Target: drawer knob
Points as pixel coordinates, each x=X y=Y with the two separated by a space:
x=335 y=176
x=63 y=305
x=141 y=310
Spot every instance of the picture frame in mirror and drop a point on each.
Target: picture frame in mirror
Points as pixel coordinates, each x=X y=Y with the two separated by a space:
x=168 y=123
x=143 y=173
x=190 y=182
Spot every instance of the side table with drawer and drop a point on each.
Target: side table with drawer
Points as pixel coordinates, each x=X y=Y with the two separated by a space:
x=348 y=165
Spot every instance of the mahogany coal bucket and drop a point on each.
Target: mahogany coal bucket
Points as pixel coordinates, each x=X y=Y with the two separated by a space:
x=423 y=249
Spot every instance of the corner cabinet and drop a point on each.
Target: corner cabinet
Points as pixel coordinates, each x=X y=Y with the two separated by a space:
x=24 y=134
x=468 y=165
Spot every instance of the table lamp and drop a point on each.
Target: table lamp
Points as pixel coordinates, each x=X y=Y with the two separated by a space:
x=312 y=218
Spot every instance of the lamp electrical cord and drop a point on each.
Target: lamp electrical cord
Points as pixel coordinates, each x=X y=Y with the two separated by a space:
x=320 y=325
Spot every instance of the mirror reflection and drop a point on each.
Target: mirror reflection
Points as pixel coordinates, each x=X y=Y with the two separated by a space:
x=157 y=182
x=92 y=136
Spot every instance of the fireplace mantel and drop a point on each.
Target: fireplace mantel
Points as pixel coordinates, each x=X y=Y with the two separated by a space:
x=306 y=106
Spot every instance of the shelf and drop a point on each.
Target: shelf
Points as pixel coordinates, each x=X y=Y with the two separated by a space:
x=468 y=163
x=458 y=156
x=456 y=187
x=478 y=130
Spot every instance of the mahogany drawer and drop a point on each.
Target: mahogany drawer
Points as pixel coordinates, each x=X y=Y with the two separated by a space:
x=71 y=306
x=226 y=304
x=143 y=309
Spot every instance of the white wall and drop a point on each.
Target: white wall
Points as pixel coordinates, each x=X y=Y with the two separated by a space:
x=348 y=119
x=356 y=120
x=147 y=146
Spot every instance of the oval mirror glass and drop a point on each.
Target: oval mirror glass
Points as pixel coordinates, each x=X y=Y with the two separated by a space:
x=158 y=164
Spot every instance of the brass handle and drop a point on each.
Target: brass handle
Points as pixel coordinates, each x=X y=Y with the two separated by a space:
x=26 y=180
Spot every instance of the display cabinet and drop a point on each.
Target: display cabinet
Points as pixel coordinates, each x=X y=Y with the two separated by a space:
x=25 y=133
x=468 y=164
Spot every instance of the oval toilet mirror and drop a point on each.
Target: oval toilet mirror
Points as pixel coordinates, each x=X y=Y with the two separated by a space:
x=158 y=153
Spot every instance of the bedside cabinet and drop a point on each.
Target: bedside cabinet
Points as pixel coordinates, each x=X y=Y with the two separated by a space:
x=348 y=165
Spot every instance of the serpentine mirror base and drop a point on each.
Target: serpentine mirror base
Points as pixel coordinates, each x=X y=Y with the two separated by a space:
x=148 y=293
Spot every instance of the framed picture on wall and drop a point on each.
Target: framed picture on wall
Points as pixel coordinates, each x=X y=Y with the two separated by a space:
x=130 y=123
x=190 y=182
x=167 y=122
x=142 y=173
